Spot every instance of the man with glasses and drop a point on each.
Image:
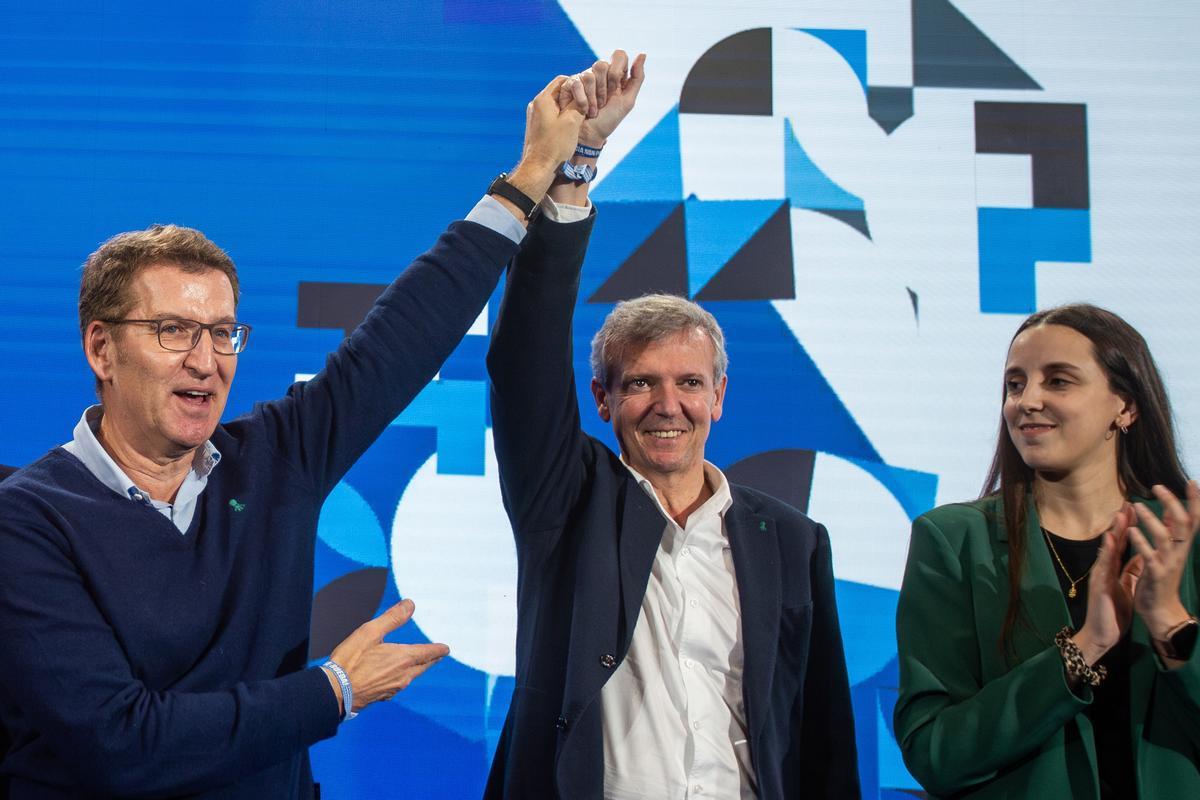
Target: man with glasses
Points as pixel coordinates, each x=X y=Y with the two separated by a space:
x=156 y=571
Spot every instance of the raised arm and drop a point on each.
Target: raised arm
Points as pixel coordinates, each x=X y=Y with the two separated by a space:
x=535 y=411
x=419 y=320
x=539 y=442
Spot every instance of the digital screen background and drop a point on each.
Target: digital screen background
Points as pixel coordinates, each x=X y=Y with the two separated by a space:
x=853 y=210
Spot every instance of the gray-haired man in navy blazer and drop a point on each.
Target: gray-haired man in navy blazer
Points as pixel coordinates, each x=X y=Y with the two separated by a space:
x=677 y=635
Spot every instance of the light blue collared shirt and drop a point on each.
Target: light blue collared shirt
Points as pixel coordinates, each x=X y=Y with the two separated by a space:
x=87 y=448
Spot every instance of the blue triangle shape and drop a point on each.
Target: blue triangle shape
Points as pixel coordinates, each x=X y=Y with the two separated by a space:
x=850 y=44
x=806 y=185
x=621 y=228
x=716 y=230
x=768 y=366
x=652 y=170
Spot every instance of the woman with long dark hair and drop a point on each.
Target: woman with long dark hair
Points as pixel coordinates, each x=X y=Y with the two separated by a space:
x=1047 y=631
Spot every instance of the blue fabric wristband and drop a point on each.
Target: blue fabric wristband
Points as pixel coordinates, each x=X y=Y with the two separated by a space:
x=343 y=681
x=588 y=152
x=579 y=173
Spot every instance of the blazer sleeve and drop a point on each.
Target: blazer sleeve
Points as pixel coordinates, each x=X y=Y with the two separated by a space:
x=535 y=411
x=116 y=735
x=829 y=756
x=956 y=731
x=323 y=425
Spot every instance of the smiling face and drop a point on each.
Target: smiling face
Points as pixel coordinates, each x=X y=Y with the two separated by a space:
x=1060 y=411
x=661 y=402
x=158 y=403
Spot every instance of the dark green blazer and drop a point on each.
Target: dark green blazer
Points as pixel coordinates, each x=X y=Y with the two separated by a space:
x=971 y=725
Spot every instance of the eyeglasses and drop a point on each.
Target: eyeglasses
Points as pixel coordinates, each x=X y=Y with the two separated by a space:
x=182 y=335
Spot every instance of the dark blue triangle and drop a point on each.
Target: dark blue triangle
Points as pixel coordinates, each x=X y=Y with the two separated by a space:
x=950 y=52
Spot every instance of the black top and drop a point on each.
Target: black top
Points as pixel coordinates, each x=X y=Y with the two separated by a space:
x=1109 y=712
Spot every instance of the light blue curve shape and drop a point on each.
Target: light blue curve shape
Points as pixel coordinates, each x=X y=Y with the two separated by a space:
x=652 y=170
x=348 y=525
x=849 y=43
x=804 y=182
x=715 y=230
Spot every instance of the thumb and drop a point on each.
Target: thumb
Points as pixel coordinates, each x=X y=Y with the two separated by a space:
x=1133 y=570
x=637 y=74
x=1131 y=574
x=389 y=620
x=1101 y=573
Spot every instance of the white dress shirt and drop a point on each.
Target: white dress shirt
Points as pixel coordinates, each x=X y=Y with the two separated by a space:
x=672 y=713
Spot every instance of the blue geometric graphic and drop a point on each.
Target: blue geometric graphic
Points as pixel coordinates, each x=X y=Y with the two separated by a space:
x=458 y=410
x=349 y=526
x=621 y=228
x=950 y=51
x=653 y=169
x=851 y=45
x=716 y=229
x=915 y=491
x=1012 y=240
x=804 y=182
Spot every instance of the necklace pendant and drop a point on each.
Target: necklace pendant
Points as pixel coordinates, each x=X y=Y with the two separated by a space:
x=1071 y=592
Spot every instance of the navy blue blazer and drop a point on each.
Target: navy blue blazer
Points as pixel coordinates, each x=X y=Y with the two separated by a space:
x=586 y=535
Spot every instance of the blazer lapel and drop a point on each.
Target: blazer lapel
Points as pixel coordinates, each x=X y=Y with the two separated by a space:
x=642 y=526
x=755 y=548
x=1040 y=589
x=1047 y=608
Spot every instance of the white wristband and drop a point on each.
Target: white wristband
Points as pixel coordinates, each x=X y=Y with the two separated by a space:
x=347 y=692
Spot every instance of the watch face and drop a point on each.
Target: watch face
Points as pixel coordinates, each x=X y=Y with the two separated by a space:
x=1184 y=640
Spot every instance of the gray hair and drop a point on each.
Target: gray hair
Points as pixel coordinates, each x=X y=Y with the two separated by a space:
x=651 y=318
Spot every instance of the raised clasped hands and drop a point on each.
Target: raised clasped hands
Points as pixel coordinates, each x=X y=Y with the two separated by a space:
x=610 y=89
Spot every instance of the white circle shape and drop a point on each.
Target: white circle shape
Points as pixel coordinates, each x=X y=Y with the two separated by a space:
x=868 y=528
x=453 y=554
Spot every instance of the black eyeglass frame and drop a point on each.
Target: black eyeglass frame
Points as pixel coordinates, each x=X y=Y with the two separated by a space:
x=200 y=328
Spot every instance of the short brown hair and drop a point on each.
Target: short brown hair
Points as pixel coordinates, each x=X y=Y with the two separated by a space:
x=108 y=272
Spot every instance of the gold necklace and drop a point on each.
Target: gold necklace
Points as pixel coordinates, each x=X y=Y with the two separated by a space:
x=1070 y=592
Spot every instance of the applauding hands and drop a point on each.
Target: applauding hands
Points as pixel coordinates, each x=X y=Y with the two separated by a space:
x=1149 y=582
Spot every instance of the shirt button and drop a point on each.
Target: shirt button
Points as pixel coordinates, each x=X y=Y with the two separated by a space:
x=698 y=789
x=687 y=662
x=608 y=661
x=687 y=551
x=561 y=723
x=696 y=725
x=693 y=603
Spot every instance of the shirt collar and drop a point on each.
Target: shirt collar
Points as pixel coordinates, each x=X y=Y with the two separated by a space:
x=718 y=504
x=87 y=448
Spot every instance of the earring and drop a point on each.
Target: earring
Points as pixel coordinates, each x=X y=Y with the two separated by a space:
x=1124 y=428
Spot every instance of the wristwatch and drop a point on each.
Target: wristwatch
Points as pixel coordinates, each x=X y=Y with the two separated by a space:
x=503 y=188
x=1180 y=640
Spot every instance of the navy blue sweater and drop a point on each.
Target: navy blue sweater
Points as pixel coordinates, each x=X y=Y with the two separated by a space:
x=139 y=662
